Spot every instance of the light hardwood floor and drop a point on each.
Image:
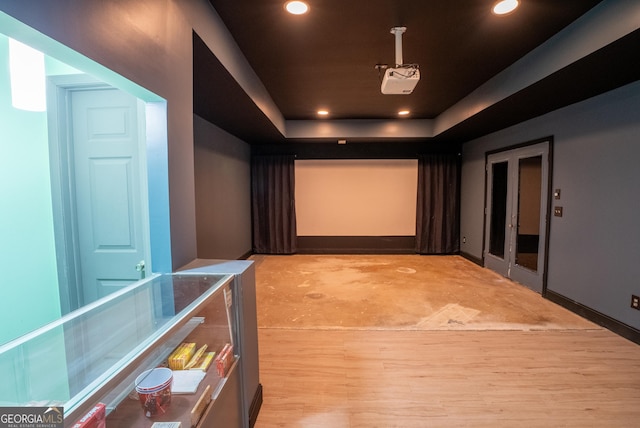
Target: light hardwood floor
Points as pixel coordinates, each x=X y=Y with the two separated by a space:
x=377 y=378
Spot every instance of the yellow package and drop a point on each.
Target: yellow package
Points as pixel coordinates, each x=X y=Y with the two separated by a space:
x=181 y=356
x=196 y=357
x=204 y=362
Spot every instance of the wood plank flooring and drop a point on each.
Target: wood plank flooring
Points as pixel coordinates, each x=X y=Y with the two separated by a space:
x=407 y=378
x=359 y=378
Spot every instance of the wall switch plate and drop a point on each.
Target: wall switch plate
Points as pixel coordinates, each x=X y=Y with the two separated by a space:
x=635 y=302
x=557 y=211
x=556 y=194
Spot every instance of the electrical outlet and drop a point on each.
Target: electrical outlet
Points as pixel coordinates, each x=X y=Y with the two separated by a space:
x=635 y=302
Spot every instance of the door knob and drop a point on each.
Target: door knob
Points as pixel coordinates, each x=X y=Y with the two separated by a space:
x=140 y=268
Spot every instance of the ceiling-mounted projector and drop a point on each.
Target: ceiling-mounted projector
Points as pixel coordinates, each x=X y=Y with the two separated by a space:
x=400 y=80
x=403 y=78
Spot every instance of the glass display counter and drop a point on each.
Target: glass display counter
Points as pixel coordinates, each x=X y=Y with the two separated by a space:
x=94 y=355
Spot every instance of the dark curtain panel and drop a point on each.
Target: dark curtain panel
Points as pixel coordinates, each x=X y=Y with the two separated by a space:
x=273 y=204
x=437 y=222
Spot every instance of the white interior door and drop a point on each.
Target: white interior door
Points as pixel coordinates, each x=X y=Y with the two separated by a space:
x=107 y=185
x=516 y=220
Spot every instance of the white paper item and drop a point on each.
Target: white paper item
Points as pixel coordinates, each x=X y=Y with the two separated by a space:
x=186 y=381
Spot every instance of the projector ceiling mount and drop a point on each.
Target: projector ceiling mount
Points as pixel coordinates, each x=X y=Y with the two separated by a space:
x=403 y=78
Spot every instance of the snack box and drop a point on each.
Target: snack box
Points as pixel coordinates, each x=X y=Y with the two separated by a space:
x=95 y=418
x=181 y=356
x=224 y=360
x=196 y=357
x=204 y=362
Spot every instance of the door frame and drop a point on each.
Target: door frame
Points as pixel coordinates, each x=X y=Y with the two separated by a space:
x=549 y=200
x=62 y=189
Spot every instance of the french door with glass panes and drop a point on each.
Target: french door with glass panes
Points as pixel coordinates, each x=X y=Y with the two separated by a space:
x=516 y=208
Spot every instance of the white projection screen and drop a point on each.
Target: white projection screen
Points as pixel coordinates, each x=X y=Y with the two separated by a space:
x=356 y=197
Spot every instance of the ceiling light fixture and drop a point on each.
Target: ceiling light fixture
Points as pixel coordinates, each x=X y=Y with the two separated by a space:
x=27 y=75
x=323 y=113
x=296 y=7
x=403 y=113
x=505 y=6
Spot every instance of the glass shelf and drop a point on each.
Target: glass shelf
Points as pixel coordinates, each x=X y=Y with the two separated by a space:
x=95 y=353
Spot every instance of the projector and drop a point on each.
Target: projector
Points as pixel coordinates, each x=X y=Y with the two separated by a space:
x=400 y=80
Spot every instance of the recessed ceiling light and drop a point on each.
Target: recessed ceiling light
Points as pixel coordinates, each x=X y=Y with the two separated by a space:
x=323 y=113
x=403 y=113
x=296 y=7
x=505 y=6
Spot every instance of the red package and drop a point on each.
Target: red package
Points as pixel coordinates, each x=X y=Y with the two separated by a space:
x=96 y=418
x=224 y=360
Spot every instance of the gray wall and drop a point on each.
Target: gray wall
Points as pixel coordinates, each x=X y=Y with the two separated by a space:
x=223 y=189
x=594 y=249
x=150 y=43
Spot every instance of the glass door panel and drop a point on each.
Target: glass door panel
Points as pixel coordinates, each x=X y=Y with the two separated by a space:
x=528 y=231
x=498 y=209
